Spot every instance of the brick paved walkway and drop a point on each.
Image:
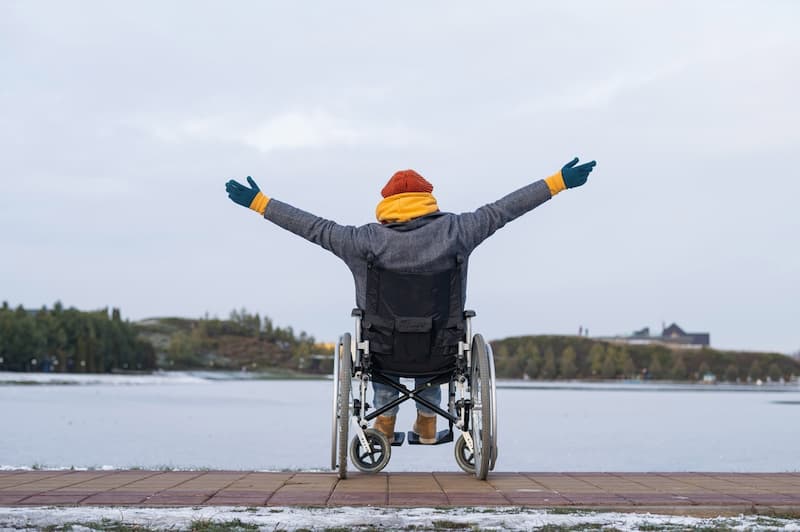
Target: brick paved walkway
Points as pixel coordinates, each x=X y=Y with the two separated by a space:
x=690 y=493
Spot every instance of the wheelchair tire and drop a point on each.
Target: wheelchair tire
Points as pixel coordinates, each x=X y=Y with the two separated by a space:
x=481 y=392
x=335 y=408
x=376 y=457
x=492 y=377
x=345 y=377
x=464 y=458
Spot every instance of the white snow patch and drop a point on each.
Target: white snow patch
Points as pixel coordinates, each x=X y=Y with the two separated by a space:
x=96 y=518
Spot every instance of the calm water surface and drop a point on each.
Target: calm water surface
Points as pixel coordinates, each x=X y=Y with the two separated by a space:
x=287 y=424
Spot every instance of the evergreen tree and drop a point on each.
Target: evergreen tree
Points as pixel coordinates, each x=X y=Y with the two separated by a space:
x=731 y=373
x=625 y=363
x=597 y=355
x=548 y=370
x=755 y=372
x=533 y=363
x=679 y=371
x=774 y=372
x=568 y=368
x=609 y=369
x=655 y=370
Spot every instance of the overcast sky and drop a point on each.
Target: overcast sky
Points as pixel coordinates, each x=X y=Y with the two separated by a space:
x=121 y=122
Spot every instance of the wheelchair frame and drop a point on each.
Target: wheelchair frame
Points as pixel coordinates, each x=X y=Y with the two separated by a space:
x=471 y=408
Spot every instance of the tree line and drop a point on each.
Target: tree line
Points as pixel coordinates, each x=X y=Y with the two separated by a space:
x=568 y=357
x=69 y=340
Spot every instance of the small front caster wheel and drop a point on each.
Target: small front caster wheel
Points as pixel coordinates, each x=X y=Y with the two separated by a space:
x=375 y=457
x=464 y=457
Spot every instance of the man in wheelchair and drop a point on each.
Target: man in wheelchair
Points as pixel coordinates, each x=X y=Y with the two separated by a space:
x=410 y=272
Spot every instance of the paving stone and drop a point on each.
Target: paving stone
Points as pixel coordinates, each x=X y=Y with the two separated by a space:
x=415 y=489
x=716 y=499
x=308 y=498
x=519 y=489
x=653 y=499
x=305 y=489
x=595 y=499
x=116 y=497
x=46 y=498
x=360 y=490
x=771 y=499
x=27 y=477
x=544 y=498
x=226 y=500
x=13 y=498
x=162 y=481
x=405 y=498
x=175 y=501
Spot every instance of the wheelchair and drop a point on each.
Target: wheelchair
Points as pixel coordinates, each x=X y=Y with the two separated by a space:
x=414 y=326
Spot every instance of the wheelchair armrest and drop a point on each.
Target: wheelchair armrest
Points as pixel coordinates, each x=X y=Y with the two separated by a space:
x=469 y=314
x=357 y=313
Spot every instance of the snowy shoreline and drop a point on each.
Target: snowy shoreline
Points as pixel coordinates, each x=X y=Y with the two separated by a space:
x=371 y=518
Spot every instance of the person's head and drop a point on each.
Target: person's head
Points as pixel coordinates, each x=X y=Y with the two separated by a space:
x=406 y=196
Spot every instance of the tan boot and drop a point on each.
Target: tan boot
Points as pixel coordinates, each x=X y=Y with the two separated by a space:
x=425 y=426
x=385 y=424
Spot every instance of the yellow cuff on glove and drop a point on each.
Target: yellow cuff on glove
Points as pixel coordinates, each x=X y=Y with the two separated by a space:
x=259 y=203
x=555 y=183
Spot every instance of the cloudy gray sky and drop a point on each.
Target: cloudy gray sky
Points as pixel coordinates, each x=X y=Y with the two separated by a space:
x=121 y=122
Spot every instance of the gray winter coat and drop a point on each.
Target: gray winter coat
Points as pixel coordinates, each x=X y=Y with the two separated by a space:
x=426 y=244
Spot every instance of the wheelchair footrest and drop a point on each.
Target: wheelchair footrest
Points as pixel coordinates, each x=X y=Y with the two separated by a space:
x=443 y=436
x=399 y=438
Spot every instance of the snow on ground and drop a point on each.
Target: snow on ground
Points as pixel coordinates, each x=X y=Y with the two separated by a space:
x=95 y=518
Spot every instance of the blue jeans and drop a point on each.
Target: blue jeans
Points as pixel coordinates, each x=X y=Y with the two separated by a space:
x=384 y=394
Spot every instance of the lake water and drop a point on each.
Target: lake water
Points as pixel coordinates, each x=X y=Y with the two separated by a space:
x=275 y=424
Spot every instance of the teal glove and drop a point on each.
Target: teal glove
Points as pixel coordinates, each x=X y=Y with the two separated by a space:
x=575 y=176
x=252 y=198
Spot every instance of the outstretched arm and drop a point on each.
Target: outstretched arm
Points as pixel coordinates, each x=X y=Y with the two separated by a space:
x=338 y=239
x=475 y=227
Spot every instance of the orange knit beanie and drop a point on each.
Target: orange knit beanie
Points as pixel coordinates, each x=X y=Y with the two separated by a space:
x=406 y=181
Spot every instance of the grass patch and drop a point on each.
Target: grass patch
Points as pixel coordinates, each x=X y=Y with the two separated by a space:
x=576 y=528
x=446 y=524
x=235 y=525
x=103 y=525
x=566 y=511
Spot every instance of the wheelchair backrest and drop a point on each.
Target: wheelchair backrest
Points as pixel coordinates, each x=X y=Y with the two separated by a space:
x=413 y=321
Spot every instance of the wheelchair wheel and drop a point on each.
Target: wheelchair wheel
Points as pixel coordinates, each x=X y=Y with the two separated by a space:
x=376 y=456
x=342 y=380
x=492 y=379
x=464 y=457
x=335 y=409
x=481 y=413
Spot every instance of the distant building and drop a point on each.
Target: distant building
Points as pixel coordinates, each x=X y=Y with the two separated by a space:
x=672 y=335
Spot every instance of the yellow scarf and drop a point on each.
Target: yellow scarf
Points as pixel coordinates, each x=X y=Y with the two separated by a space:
x=406 y=206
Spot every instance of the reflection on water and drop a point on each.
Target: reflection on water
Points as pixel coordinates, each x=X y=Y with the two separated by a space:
x=287 y=425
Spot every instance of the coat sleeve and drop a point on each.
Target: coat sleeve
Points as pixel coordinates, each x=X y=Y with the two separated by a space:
x=475 y=227
x=341 y=240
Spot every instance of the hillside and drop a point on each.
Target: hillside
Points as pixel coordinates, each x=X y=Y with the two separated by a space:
x=243 y=342
x=573 y=357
